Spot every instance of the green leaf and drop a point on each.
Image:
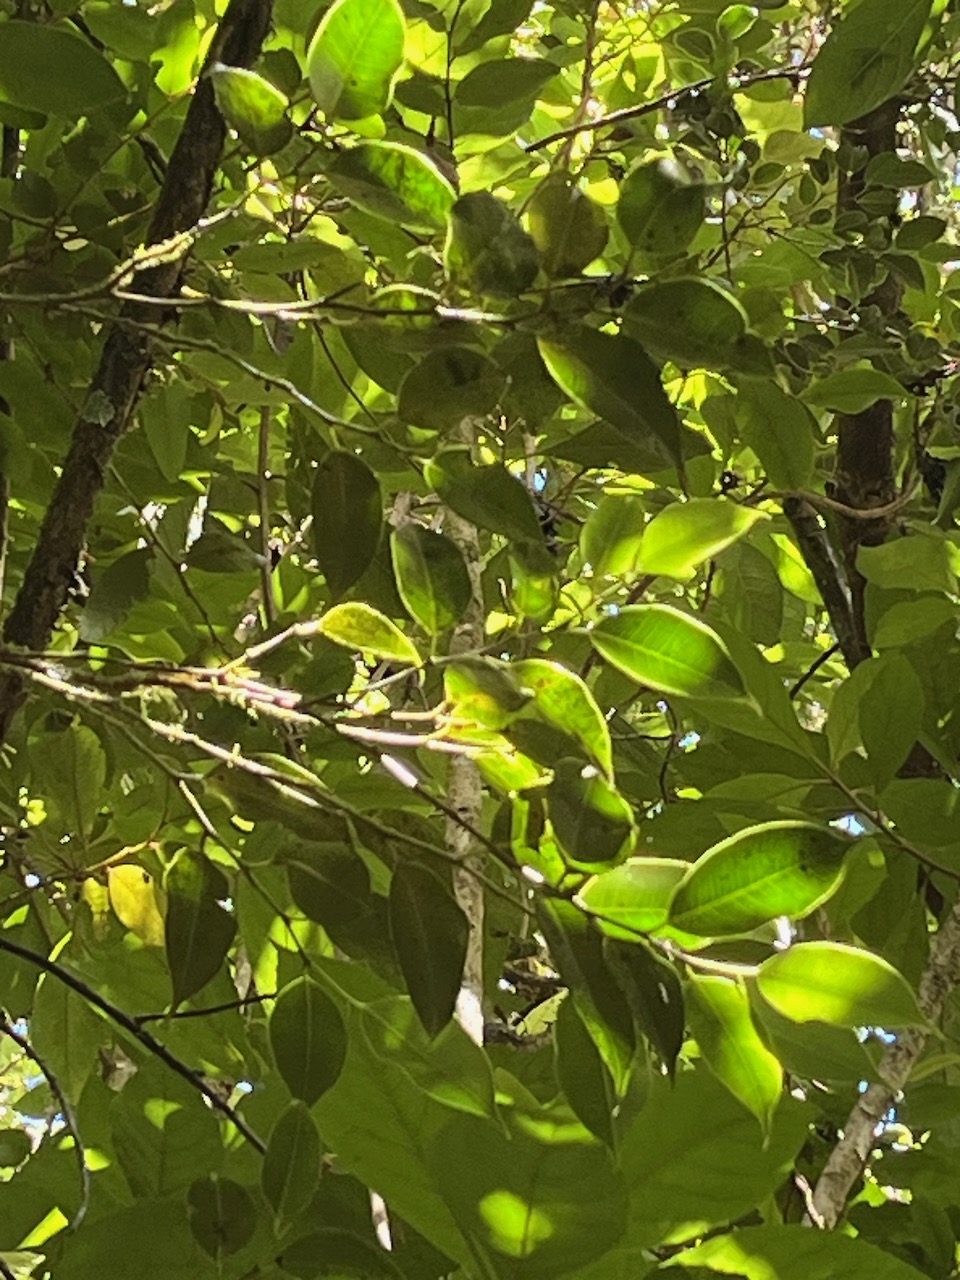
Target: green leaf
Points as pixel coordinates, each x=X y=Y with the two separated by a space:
x=853 y=390
x=719 y=1014
x=254 y=107
x=660 y=209
x=664 y=649
x=592 y=822
x=66 y=1032
x=429 y=933
x=610 y=538
x=347 y=519
x=794 y=1252
x=496 y=97
x=50 y=69
x=890 y=715
x=198 y=931
x=484 y=690
x=584 y=1079
x=831 y=982
x=633 y=898
x=356 y=625
x=563 y=700
x=568 y=228
x=486 y=249
x=290 y=1173
x=685 y=534
x=15 y=1146
x=866 y=59
x=921 y=562
x=335 y=1253
x=223 y=1216
x=448 y=385
x=780 y=430
x=576 y=947
x=75 y=788
x=777 y=869
x=354 y=58
x=814 y=1050
x=695 y=323
x=654 y=995
x=491 y=498
x=611 y=376
x=538 y=1200
x=432 y=577
x=393 y=181
x=308 y=1038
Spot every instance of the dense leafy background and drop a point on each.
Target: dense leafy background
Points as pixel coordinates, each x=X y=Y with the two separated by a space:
x=500 y=442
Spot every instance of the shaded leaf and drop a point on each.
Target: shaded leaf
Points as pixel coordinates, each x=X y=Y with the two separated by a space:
x=610 y=539
x=290 y=1172
x=592 y=822
x=308 y=1038
x=612 y=377
x=486 y=249
x=780 y=430
x=853 y=390
x=48 y=68
x=347 y=518
x=582 y=1075
x=448 y=385
x=695 y=323
x=429 y=933
x=654 y=994
x=222 y=1215
x=336 y=1253
x=198 y=931
x=660 y=209
x=393 y=181
x=431 y=575
x=568 y=228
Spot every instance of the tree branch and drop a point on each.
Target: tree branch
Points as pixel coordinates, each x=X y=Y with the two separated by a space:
x=66 y=1110
x=126 y=356
x=133 y=1028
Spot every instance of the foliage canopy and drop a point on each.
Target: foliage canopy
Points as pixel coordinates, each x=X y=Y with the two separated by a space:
x=478 y=682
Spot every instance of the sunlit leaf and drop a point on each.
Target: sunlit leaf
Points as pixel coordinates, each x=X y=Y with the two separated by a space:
x=356 y=625
x=393 y=181
x=686 y=534
x=254 y=107
x=832 y=982
x=658 y=646
x=634 y=898
x=776 y=869
x=354 y=57
x=565 y=701
x=719 y=1013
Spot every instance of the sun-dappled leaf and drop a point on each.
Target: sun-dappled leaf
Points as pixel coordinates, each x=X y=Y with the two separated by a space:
x=356 y=625
x=393 y=181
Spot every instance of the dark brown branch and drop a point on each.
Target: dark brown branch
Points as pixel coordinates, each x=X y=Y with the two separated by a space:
x=829 y=576
x=127 y=353
x=66 y=1110
x=133 y=1028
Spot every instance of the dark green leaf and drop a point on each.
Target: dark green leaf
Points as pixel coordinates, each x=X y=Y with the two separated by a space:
x=660 y=209
x=50 y=69
x=291 y=1165
x=486 y=250
x=429 y=933
x=853 y=390
x=347 y=519
x=431 y=575
x=308 y=1039
x=584 y=1079
x=780 y=430
x=694 y=323
x=198 y=930
x=223 y=1216
x=448 y=385
x=592 y=822
x=654 y=995
x=864 y=61
x=890 y=715
x=334 y=1253
x=568 y=228
x=612 y=377
x=354 y=58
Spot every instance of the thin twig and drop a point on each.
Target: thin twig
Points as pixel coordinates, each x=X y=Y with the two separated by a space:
x=66 y=1110
x=814 y=668
x=268 y=599
x=133 y=1028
